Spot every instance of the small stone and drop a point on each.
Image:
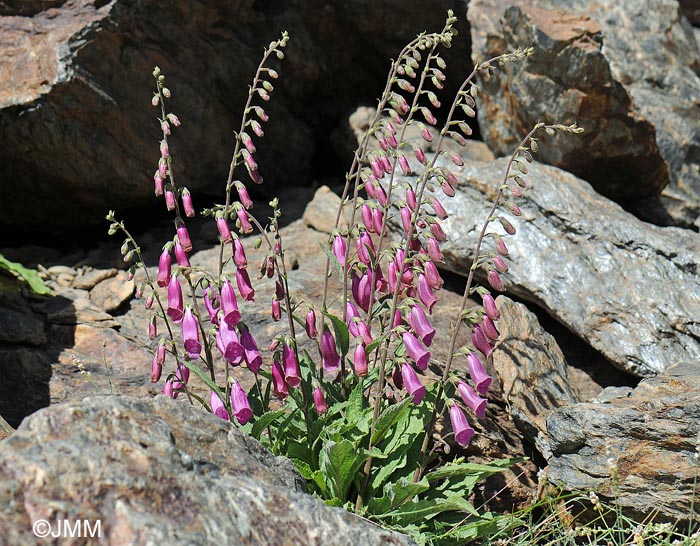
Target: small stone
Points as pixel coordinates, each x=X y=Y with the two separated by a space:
x=110 y=294
x=89 y=279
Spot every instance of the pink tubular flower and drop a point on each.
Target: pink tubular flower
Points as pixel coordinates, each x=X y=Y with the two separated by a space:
x=339 y=250
x=360 y=360
x=501 y=247
x=239 y=257
x=224 y=231
x=152 y=328
x=434 y=250
x=187 y=203
x=279 y=385
x=472 y=400
x=211 y=302
x=482 y=380
x=229 y=305
x=160 y=352
x=157 y=184
x=243 y=221
x=381 y=195
x=164 y=268
x=425 y=133
x=156 y=370
x=439 y=209
x=365 y=248
x=169 y=199
x=217 y=406
x=490 y=307
x=411 y=199
x=420 y=325
x=250 y=351
x=364 y=333
x=227 y=342
x=361 y=290
x=168 y=389
x=419 y=354
x=244 y=197
x=184 y=237
x=172 y=118
x=437 y=232
x=495 y=280
x=431 y=273
x=190 y=334
x=162 y=168
x=320 y=401
x=406 y=221
x=413 y=385
x=398 y=319
x=463 y=432
x=377 y=168
x=489 y=328
x=447 y=189
x=239 y=403
x=500 y=264
x=351 y=313
x=175 y=306
x=248 y=143
x=386 y=164
x=392 y=276
x=480 y=342
x=245 y=289
x=420 y=156
x=425 y=293
x=378 y=217
x=164 y=150
x=403 y=163
x=181 y=255
x=367 y=218
x=275 y=309
x=292 y=373
x=311 y=330
x=329 y=353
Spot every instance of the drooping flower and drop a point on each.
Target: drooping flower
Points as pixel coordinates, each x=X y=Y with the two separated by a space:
x=181 y=255
x=463 y=431
x=184 y=237
x=500 y=264
x=501 y=247
x=367 y=218
x=378 y=217
x=421 y=325
x=276 y=310
x=425 y=293
x=211 y=302
x=363 y=332
x=279 y=385
x=175 y=305
x=413 y=385
x=360 y=360
x=431 y=273
x=217 y=406
x=228 y=343
x=157 y=184
x=329 y=353
x=168 y=389
x=229 y=305
x=351 y=313
x=187 y=203
x=224 y=231
x=239 y=257
x=311 y=330
x=244 y=197
x=495 y=280
x=320 y=401
x=152 y=328
x=472 y=399
x=190 y=334
x=164 y=263
x=411 y=199
x=480 y=341
x=437 y=232
x=156 y=370
x=245 y=289
x=490 y=307
x=419 y=354
x=406 y=221
x=250 y=351
x=243 y=221
x=365 y=248
x=292 y=373
x=489 y=329
x=339 y=250
x=482 y=380
x=403 y=163
x=239 y=403
x=434 y=250
x=439 y=209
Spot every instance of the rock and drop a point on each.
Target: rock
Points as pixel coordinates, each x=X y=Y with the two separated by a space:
x=71 y=307
x=88 y=280
x=5 y=429
x=321 y=212
x=630 y=289
x=533 y=371
x=691 y=9
x=79 y=134
x=18 y=328
x=639 y=450
x=25 y=384
x=110 y=294
x=166 y=473
x=630 y=80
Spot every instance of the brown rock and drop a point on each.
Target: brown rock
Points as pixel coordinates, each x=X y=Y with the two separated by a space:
x=88 y=280
x=110 y=294
x=321 y=212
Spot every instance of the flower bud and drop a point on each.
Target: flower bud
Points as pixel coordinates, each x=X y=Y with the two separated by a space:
x=360 y=361
x=172 y=118
x=339 y=250
x=489 y=329
x=500 y=264
x=501 y=247
x=495 y=281
x=311 y=330
x=243 y=196
x=434 y=250
x=320 y=401
x=276 y=311
x=425 y=133
x=181 y=255
x=164 y=263
x=462 y=430
x=243 y=221
x=184 y=237
x=490 y=307
x=169 y=199
x=158 y=184
x=329 y=353
x=152 y=328
x=224 y=231
x=217 y=406
x=413 y=385
x=165 y=127
x=187 y=203
x=405 y=167
x=279 y=385
x=482 y=380
x=239 y=403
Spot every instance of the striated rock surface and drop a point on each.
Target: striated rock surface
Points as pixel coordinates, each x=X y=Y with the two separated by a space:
x=630 y=289
x=78 y=131
x=158 y=471
x=639 y=448
x=533 y=372
x=631 y=80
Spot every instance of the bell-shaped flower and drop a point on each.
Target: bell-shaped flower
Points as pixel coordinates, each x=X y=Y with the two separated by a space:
x=440 y=211
x=239 y=257
x=239 y=403
x=190 y=334
x=152 y=328
x=164 y=263
x=184 y=237
x=211 y=302
x=359 y=362
x=243 y=221
x=292 y=373
x=364 y=333
x=181 y=255
x=276 y=309
x=279 y=385
x=339 y=250
x=490 y=307
x=229 y=345
x=229 y=305
x=175 y=305
x=244 y=196
x=168 y=389
x=224 y=231
x=351 y=313
x=472 y=399
x=311 y=329
x=245 y=288
x=187 y=203
x=406 y=221
x=431 y=273
x=421 y=325
x=250 y=351
x=156 y=370
x=489 y=329
x=463 y=431
x=320 y=401
x=425 y=293
x=495 y=280
x=434 y=250
x=481 y=342
x=367 y=218
x=365 y=248
x=329 y=353
x=482 y=380
x=217 y=406
x=419 y=354
x=413 y=385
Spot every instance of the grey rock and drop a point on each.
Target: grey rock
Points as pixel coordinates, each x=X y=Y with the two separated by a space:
x=631 y=80
x=88 y=280
x=638 y=450
x=630 y=289
x=17 y=327
x=533 y=372
x=165 y=472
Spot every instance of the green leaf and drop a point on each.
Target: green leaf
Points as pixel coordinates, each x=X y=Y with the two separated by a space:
x=342 y=334
x=340 y=461
x=30 y=276
x=422 y=510
x=395 y=494
x=204 y=377
x=262 y=422
x=356 y=405
x=389 y=417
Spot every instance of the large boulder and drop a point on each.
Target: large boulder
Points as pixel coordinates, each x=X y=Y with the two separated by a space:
x=158 y=471
x=629 y=79
x=637 y=447
x=628 y=288
x=80 y=136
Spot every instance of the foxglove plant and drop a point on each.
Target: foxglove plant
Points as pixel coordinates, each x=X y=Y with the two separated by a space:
x=343 y=415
